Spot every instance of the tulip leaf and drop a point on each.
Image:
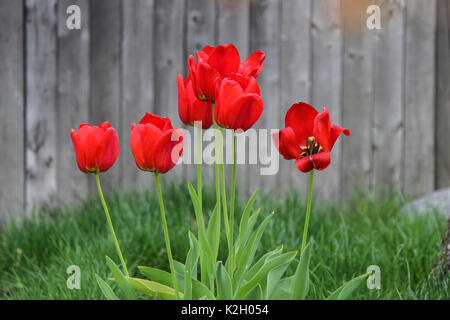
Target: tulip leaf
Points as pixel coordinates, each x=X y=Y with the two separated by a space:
x=106 y=289
x=282 y=290
x=151 y=288
x=273 y=279
x=157 y=275
x=247 y=210
x=122 y=282
x=187 y=285
x=206 y=252
x=261 y=276
x=344 y=291
x=193 y=255
x=247 y=232
x=199 y=290
x=212 y=234
x=165 y=277
x=246 y=257
x=255 y=294
x=258 y=265
x=300 y=282
x=224 y=286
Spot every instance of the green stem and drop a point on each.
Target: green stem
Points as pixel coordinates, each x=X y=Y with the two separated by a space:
x=166 y=235
x=233 y=198
x=218 y=207
x=108 y=218
x=224 y=196
x=308 y=210
x=199 y=167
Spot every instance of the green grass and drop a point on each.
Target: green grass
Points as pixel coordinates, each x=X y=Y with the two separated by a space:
x=345 y=240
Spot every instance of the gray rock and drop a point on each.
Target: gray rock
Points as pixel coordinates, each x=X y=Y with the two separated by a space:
x=438 y=200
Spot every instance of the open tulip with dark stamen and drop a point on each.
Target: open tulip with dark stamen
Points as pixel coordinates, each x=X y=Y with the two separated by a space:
x=308 y=137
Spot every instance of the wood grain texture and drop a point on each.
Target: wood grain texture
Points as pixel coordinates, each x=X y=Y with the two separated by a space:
x=265 y=36
x=357 y=97
x=105 y=75
x=233 y=26
x=418 y=167
x=295 y=76
x=233 y=21
x=200 y=32
x=72 y=98
x=41 y=101
x=11 y=109
x=443 y=95
x=327 y=85
x=168 y=62
x=388 y=126
x=137 y=82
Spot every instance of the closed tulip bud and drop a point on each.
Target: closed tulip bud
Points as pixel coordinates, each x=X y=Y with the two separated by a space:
x=155 y=144
x=238 y=102
x=96 y=147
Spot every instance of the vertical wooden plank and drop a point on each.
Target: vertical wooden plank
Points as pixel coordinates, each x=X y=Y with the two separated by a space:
x=11 y=109
x=168 y=61
x=443 y=95
x=357 y=96
x=200 y=25
x=40 y=101
x=233 y=24
x=105 y=73
x=327 y=85
x=388 y=98
x=72 y=98
x=419 y=97
x=233 y=27
x=295 y=76
x=265 y=35
x=200 y=31
x=138 y=85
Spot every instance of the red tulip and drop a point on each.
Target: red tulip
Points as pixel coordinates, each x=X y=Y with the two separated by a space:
x=308 y=137
x=221 y=61
x=238 y=102
x=96 y=147
x=155 y=144
x=190 y=108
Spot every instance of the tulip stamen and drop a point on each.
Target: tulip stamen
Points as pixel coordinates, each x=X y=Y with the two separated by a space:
x=311 y=147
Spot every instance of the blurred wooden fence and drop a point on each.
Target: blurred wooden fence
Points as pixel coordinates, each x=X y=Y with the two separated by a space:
x=389 y=86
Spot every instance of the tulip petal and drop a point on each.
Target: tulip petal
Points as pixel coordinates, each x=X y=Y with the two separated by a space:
x=286 y=143
x=225 y=59
x=206 y=52
x=319 y=161
x=105 y=125
x=167 y=150
x=79 y=151
x=304 y=164
x=90 y=138
x=161 y=123
x=190 y=108
x=227 y=91
x=300 y=117
x=248 y=84
x=322 y=127
x=183 y=106
x=108 y=150
x=137 y=145
x=244 y=112
x=336 y=131
x=253 y=65
x=204 y=81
